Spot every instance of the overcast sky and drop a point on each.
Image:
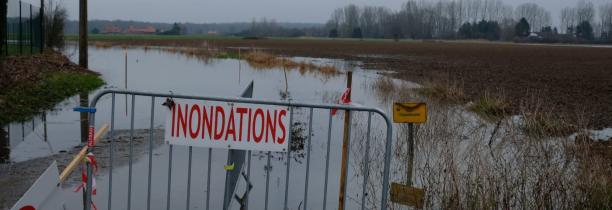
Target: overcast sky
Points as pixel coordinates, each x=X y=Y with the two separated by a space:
x=201 y=11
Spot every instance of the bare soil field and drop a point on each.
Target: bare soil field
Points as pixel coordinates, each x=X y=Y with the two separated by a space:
x=573 y=82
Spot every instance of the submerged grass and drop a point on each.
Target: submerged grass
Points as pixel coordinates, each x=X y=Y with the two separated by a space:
x=537 y=121
x=446 y=92
x=263 y=60
x=464 y=162
x=492 y=108
x=29 y=98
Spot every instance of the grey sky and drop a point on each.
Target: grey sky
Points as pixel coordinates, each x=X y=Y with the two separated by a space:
x=200 y=11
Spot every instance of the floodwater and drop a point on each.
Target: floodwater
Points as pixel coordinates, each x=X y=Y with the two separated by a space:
x=164 y=72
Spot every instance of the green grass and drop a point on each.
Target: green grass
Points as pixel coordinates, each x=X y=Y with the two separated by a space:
x=15 y=50
x=27 y=99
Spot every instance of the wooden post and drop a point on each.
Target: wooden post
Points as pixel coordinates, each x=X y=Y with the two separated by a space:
x=409 y=170
x=345 y=146
x=239 y=66
x=45 y=136
x=84 y=97
x=126 y=81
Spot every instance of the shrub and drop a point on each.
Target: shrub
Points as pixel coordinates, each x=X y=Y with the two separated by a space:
x=55 y=17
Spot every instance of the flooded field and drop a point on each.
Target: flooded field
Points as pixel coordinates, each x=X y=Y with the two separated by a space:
x=461 y=158
x=155 y=70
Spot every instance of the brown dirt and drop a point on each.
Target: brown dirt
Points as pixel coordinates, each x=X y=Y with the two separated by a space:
x=575 y=82
x=30 y=68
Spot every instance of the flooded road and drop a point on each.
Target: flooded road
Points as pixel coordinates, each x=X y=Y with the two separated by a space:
x=162 y=71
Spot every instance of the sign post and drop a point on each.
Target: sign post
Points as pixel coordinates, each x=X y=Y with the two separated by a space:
x=410 y=113
x=235 y=159
x=345 y=144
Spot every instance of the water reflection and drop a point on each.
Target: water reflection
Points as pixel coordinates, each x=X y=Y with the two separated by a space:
x=18 y=133
x=4 y=146
x=154 y=70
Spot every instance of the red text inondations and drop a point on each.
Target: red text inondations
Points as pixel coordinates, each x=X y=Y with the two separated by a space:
x=219 y=124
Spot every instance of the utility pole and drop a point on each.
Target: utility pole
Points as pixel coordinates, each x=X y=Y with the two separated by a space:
x=20 y=31
x=84 y=97
x=42 y=25
x=83 y=33
x=345 y=145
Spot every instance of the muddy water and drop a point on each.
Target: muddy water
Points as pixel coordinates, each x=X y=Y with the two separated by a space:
x=157 y=71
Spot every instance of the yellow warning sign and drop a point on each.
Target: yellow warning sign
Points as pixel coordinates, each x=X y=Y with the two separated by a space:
x=407 y=195
x=409 y=112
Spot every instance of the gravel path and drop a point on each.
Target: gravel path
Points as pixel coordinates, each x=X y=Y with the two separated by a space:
x=16 y=178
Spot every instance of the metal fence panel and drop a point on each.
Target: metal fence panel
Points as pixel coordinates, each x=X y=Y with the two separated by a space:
x=229 y=191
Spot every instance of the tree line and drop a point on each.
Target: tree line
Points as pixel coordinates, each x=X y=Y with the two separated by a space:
x=477 y=19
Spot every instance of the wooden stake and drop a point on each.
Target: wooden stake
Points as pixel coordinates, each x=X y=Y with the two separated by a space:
x=285 y=72
x=79 y=157
x=345 y=146
x=126 y=82
x=239 y=66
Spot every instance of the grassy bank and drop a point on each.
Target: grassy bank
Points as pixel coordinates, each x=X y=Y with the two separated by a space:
x=27 y=99
x=31 y=84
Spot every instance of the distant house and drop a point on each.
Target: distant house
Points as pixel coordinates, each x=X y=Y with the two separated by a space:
x=110 y=29
x=145 y=30
x=212 y=33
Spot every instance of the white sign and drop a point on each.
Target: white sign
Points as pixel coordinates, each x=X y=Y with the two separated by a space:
x=227 y=125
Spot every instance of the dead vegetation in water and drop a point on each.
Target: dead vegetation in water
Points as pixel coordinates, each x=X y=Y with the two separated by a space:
x=490 y=107
x=263 y=60
x=494 y=107
x=447 y=92
x=384 y=84
x=544 y=121
x=460 y=168
x=102 y=45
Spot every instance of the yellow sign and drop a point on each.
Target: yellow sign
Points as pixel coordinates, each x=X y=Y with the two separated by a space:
x=407 y=195
x=409 y=112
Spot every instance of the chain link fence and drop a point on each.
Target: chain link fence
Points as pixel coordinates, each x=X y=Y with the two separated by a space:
x=24 y=28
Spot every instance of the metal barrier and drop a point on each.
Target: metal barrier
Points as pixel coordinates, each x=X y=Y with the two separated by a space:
x=290 y=105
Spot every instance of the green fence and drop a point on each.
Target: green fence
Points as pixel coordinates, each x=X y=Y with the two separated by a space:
x=24 y=28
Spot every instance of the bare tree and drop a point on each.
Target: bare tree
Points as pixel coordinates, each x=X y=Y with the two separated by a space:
x=55 y=18
x=585 y=11
x=336 y=19
x=605 y=14
x=537 y=16
x=351 y=19
x=368 y=21
x=568 y=19
x=423 y=19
